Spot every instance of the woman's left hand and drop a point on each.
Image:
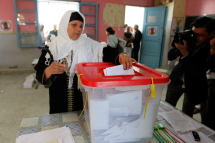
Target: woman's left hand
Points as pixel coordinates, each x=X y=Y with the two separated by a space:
x=126 y=61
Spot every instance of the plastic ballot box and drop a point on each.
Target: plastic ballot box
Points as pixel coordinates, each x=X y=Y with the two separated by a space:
x=120 y=108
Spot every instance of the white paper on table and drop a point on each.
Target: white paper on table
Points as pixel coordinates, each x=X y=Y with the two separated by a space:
x=99 y=114
x=132 y=100
x=118 y=70
x=178 y=121
x=165 y=108
x=206 y=131
x=121 y=111
x=203 y=138
x=47 y=136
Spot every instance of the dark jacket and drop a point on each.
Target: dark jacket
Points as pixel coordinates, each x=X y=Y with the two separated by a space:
x=193 y=67
x=137 y=38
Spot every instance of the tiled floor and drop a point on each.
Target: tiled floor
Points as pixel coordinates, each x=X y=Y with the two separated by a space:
x=17 y=103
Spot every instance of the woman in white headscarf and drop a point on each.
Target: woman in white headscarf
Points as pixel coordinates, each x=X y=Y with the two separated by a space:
x=68 y=49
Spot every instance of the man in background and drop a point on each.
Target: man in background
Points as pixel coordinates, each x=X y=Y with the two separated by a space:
x=125 y=27
x=43 y=39
x=136 y=42
x=53 y=32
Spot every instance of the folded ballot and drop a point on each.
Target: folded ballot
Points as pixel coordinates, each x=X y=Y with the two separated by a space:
x=58 y=135
x=118 y=70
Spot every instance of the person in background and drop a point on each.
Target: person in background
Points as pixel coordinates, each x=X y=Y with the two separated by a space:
x=128 y=37
x=53 y=32
x=71 y=47
x=113 y=40
x=125 y=27
x=136 y=42
x=43 y=39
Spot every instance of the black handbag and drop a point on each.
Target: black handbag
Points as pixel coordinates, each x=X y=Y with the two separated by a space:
x=119 y=47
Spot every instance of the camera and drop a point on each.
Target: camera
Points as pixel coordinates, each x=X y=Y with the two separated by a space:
x=188 y=35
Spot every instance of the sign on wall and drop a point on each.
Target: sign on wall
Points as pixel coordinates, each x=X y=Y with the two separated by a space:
x=151 y=18
x=152 y=31
x=5 y=25
x=177 y=25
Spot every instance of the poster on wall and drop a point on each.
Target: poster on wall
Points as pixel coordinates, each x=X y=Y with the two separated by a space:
x=152 y=31
x=177 y=25
x=5 y=26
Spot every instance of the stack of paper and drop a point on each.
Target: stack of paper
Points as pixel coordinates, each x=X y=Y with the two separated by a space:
x=118 y=70
x=180 y=123
x=29 y=82
x=58 y=135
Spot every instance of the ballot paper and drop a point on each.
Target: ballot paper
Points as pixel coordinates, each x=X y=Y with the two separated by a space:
x=181 y=123
x=130 y=100
x=118 y=70
x=59 y=135
x=99 y=114
x=122 y=111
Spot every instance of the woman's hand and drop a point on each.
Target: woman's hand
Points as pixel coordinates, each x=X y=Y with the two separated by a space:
x=54 y=68
x=212 y=43
x=126 y=61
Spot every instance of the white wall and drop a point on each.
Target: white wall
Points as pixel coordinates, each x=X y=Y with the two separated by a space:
x=168 y=39
x=11 y=55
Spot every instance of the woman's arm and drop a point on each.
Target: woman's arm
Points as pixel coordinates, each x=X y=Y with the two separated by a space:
x=44 y=72
x=112 y=55
x=123 y=42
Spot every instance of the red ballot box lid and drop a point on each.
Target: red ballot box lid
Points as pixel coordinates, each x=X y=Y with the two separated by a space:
x=92 y=75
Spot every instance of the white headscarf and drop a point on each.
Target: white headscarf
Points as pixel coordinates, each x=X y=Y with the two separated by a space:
x=62 y=45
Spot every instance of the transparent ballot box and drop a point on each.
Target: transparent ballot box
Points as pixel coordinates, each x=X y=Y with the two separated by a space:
x=122 y=108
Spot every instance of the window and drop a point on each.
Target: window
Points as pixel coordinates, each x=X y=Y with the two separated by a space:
x=27 y=27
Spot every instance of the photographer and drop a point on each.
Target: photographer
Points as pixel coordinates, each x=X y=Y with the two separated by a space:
x=193 y=64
